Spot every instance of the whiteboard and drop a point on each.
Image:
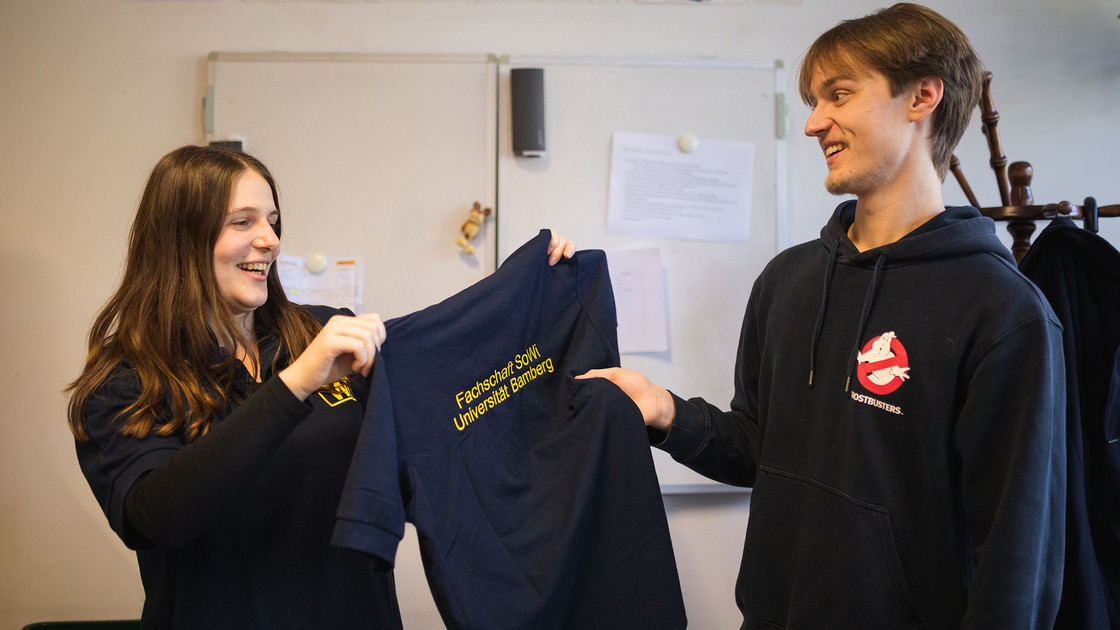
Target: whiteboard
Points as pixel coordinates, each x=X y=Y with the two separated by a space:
x=707 y=284
x=382 y=155
x=375 y=155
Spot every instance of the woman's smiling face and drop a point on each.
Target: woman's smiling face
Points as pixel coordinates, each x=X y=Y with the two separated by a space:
x=247 y=245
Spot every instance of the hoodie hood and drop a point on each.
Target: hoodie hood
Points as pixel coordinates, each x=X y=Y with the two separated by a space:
x=956 y=231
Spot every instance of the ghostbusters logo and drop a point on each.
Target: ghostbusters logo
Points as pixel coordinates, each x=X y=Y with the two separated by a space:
x=883 y=365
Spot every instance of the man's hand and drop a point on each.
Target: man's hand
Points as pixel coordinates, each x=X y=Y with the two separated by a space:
x=654 y=401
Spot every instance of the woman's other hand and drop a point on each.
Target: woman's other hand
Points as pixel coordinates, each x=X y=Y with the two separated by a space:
x=559 y=247
x=345 y=344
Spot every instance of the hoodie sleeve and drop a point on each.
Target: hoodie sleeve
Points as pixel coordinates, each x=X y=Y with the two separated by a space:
x=1010 y=436
x=190 y=492
x=158 y=491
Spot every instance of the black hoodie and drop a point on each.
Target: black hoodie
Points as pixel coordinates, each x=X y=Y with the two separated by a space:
x=899 y=413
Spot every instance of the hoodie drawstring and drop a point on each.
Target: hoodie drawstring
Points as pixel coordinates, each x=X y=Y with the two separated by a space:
x=867 y=300
x=824 y=307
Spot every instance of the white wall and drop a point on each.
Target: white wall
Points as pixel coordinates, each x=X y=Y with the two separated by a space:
x=93 y=92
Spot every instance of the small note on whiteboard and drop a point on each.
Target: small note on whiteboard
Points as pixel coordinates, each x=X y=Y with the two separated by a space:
x=338 y=285
x=639 y=299
x=656 y=189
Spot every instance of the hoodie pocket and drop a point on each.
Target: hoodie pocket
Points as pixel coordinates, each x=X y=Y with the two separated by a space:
x=816 y=557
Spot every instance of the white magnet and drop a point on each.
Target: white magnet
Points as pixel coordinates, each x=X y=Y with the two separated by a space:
x=687 y=143
x=317 y=263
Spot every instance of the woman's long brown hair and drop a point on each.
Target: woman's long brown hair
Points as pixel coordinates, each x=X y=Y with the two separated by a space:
x=166 y=318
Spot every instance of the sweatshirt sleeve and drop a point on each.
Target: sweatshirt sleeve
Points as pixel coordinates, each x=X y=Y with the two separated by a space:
x=157 y=491
x=1010 y=436
x=371 y=514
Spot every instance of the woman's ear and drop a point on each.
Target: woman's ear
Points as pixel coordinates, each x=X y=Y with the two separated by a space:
x=927 y=93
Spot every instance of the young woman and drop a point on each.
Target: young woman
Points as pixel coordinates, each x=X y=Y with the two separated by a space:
x=214 y=419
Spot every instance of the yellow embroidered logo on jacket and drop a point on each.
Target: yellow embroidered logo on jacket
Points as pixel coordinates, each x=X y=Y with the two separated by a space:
x=337 y=393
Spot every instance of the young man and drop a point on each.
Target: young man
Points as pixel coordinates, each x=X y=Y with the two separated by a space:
x=898 y=407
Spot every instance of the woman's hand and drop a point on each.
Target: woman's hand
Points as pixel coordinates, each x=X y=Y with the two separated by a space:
x=344 y=345
x=559 y=247
x=654 y=401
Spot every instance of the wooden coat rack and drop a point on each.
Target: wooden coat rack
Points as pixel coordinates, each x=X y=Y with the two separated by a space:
x=1014 y=183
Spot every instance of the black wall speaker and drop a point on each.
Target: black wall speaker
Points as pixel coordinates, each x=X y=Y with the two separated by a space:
x=526 y=87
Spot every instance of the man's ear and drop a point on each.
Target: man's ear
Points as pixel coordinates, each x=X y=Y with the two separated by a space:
x=926 y=96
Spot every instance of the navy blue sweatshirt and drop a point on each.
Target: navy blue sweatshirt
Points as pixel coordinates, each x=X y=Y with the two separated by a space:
x=533 y=494
x=899 y=413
